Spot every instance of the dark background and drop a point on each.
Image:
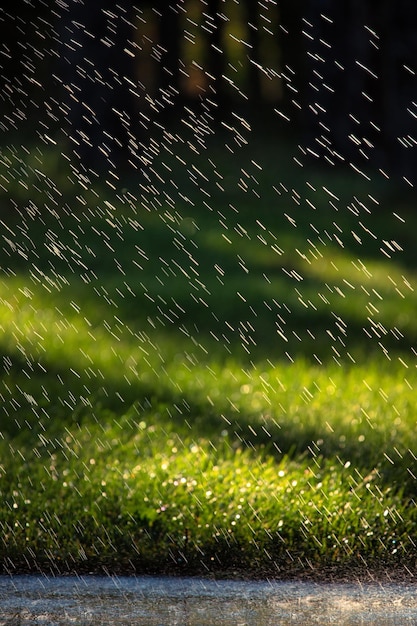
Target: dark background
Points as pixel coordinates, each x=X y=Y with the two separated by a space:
x=342 y=73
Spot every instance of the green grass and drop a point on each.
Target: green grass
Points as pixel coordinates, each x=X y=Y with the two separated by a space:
x=204 y=380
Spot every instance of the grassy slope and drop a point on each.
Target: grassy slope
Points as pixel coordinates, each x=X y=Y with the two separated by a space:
x=204 y=380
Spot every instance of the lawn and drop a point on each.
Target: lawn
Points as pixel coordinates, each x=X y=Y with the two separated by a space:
x=211 y=370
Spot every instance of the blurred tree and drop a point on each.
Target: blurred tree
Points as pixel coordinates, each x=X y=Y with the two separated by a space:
x=335 y=110
x=348 y=70
x=360 y=85
x=25 y=46
x=97 y=56
x=169 y=55
x=215 y=56
x=254 y=43
x=12 y=48
x=292 y=57
x=397 y=93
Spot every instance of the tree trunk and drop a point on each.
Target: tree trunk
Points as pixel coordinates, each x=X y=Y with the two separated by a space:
x=293 y=59
x=254 y=56
x=169 y=55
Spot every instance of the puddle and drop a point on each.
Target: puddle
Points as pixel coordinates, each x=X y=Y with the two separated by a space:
x=159 y=601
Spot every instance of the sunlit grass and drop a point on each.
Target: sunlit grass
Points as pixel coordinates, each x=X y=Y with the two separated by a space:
x=206 y=389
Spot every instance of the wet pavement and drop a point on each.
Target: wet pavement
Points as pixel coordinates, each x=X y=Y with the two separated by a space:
x=160 y=601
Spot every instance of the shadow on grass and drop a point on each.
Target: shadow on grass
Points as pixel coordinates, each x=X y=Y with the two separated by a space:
x=43 y=408
x=237 y=283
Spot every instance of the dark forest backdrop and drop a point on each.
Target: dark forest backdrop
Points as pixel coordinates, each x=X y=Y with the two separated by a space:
x=342 y=73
